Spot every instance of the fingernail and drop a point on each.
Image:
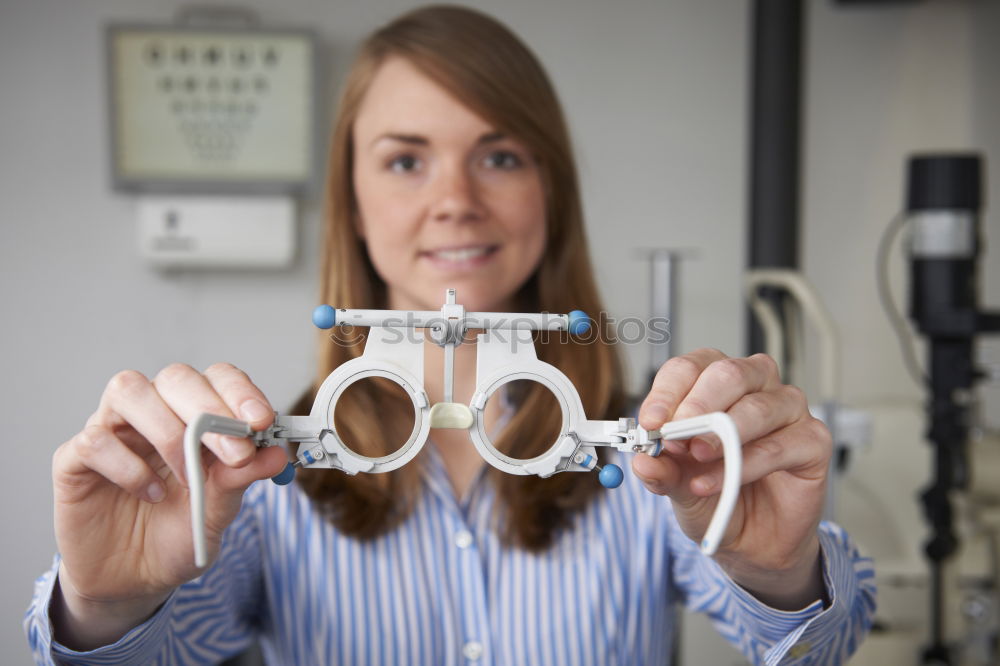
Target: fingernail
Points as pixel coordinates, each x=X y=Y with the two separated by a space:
x=254 y=410
x=236 y=449
x=675 y=446
x=703 y=449
x=155 y=492
x=711 y=442
x=658 y=413
x=704 y=484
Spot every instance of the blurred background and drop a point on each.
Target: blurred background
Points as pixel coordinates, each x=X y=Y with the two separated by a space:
x=658 y=95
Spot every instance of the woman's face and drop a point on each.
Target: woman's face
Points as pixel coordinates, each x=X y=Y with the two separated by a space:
x=444 y=198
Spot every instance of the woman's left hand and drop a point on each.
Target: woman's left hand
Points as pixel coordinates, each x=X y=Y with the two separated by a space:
x=771 y=546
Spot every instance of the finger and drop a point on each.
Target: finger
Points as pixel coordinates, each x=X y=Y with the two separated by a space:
x=673 y=381
x=803 y=449
x=664 y=475
x=132 y=400
x=188 y=393
x=241 y=395
x=755 y=415
x=725 y=381
x=266 y=463
x=675 y=447
x=97 y=449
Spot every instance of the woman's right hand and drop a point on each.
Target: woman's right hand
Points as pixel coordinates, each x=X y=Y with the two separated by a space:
x=122 y=514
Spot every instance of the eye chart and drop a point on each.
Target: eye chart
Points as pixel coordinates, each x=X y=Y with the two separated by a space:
x=212 y=108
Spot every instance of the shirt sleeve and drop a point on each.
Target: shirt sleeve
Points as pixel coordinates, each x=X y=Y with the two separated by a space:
x=204 y=621
x=767 y=636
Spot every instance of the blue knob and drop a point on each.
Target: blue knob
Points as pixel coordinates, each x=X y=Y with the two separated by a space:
x=611 y=476
x=286 y=476
x=324 y=316
x=579 y=322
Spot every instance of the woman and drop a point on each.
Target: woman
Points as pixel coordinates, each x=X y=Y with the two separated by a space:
x=450 y=167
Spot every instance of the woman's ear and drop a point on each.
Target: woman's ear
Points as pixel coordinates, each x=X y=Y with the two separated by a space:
x=359 y=226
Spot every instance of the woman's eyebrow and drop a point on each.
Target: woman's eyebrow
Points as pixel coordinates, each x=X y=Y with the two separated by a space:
x=418 y=140
x=413 y=139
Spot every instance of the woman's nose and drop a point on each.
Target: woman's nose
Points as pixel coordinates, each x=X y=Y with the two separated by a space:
x=456 y=196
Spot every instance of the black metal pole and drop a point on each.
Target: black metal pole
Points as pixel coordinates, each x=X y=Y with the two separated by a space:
x=775 y=111
x=951 y=372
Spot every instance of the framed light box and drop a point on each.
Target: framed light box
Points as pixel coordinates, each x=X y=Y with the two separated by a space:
x=212 y=109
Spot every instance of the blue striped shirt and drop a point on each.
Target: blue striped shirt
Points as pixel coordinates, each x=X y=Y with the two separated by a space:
x=441 y=589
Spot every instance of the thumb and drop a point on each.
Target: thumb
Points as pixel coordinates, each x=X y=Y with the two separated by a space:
x=663 y=475
x=224 y=486
x=267 y=462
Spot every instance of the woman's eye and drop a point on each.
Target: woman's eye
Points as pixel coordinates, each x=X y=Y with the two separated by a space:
x=403 y=163
x=502 y=159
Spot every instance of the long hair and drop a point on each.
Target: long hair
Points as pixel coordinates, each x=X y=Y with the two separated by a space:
x=485 y=66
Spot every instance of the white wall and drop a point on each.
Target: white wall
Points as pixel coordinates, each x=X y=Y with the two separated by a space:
x=656 y=95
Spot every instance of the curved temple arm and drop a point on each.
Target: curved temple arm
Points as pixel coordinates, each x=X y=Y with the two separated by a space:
x=196 y=477
x=722 y=425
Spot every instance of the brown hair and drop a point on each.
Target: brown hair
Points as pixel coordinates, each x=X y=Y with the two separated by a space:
x=491 y=71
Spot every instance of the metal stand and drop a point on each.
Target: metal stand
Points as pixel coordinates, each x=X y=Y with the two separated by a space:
x=943 y=201
x=664 y=272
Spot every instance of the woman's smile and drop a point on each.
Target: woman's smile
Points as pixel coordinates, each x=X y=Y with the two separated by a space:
x=460 y=257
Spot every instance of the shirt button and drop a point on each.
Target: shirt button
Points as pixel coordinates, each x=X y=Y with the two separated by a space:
x=463 y=539
x=799 y=650
x=472 y=650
